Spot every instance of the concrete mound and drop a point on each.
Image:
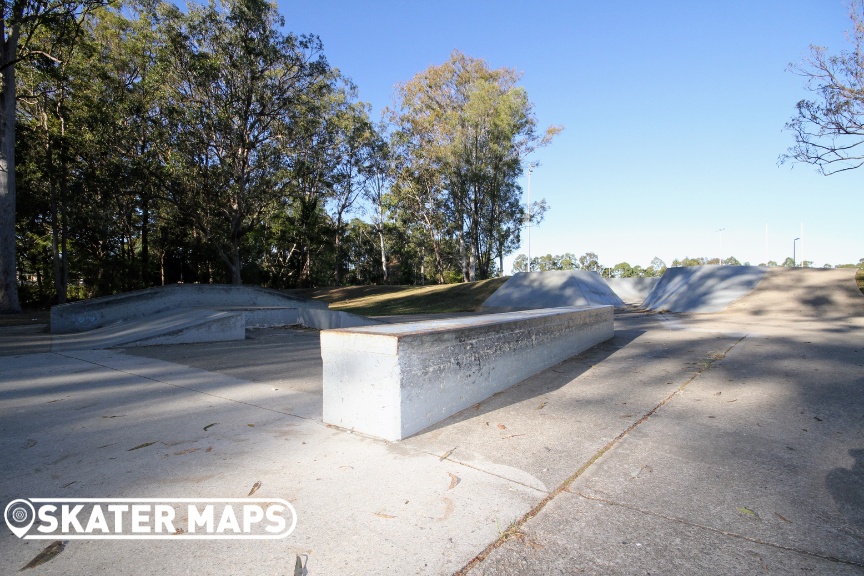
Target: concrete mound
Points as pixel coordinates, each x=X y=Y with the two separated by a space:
x=702 y=289
x=186 y=313
x=632 y=290
x=827 y=294
x=554 y=289
x=97 y=312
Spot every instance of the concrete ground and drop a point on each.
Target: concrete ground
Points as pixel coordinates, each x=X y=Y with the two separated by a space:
x=714 y=444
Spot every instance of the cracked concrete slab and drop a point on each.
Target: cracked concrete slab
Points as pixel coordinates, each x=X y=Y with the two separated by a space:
x=712 y=444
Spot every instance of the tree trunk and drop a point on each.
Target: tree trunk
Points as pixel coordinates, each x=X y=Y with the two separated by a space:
x=235 y=264
x=8 y=274
x=59 y=288
x=383 y=254
x=337 y=272
x=463 y=259
x=145 y=242
x=64 y=226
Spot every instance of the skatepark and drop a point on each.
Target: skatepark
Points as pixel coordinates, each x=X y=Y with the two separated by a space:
x=718 y=431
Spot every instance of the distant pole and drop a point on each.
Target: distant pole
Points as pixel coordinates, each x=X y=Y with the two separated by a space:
x=766 y=244
x=721 y=245
x=801 y=235
x=794 y=247
x=530 y=170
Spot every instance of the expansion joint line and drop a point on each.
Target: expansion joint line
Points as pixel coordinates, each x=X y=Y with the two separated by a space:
x=514 y=529
x=718 y=530
x=182 y=387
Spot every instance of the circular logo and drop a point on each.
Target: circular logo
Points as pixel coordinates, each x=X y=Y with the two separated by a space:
x=19 y=515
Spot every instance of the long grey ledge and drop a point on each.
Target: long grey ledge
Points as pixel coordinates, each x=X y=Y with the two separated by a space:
x=392 y=381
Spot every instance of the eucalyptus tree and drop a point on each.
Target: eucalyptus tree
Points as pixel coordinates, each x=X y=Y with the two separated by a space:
x=239 y=86
x=829 y=129
x=87 y=117
x=21 y=23
x=377 y=191
x=423 y=209
x=470 y=127
x=354 y=148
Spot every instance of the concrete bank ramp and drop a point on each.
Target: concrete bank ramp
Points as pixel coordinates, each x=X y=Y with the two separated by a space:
x=826 y=294
x=632 y=290
x=183 y=314
x=182 y=326
x=554 y=289
x=97 y=312
x=702 y=289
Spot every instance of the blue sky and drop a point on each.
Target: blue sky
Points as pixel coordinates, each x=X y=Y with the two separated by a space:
x=673 y=115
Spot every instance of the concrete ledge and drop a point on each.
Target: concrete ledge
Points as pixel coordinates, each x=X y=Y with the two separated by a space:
x=98 y=312
x=394 y=380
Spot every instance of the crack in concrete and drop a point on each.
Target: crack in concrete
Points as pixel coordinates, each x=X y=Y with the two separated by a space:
x=718 y=530
x=514 y=528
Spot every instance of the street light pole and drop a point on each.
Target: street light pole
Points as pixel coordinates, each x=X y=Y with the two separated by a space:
x=721 y=245
x=530 y=170
x=794 y=246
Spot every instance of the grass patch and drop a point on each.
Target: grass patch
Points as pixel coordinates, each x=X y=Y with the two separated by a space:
x=402 y=300
x=364 y=300
x=859 y=278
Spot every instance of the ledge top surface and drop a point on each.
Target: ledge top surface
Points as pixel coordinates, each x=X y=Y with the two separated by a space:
x=447 y=324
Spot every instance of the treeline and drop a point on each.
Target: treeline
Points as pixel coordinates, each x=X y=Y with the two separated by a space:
x=787 y=263
x=157 y=145
x=590 y=261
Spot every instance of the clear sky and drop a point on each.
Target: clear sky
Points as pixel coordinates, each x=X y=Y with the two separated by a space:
x=673 y=115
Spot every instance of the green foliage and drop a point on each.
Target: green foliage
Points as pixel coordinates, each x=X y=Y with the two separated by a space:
x=730 y=261
x=566 y=261
x=656 y=269
x=462 y=131
x=236 y=85
x=829 y=129
x=622 y=270
x=859 y=265
x=589 y=261
x=208 y=145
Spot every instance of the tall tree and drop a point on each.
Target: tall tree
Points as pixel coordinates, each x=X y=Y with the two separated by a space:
x=469 y=127
x=240 y=86
x=355 y=140
x=829 y=129
x=376 y=193
x=21 y=21
x=590 y=261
